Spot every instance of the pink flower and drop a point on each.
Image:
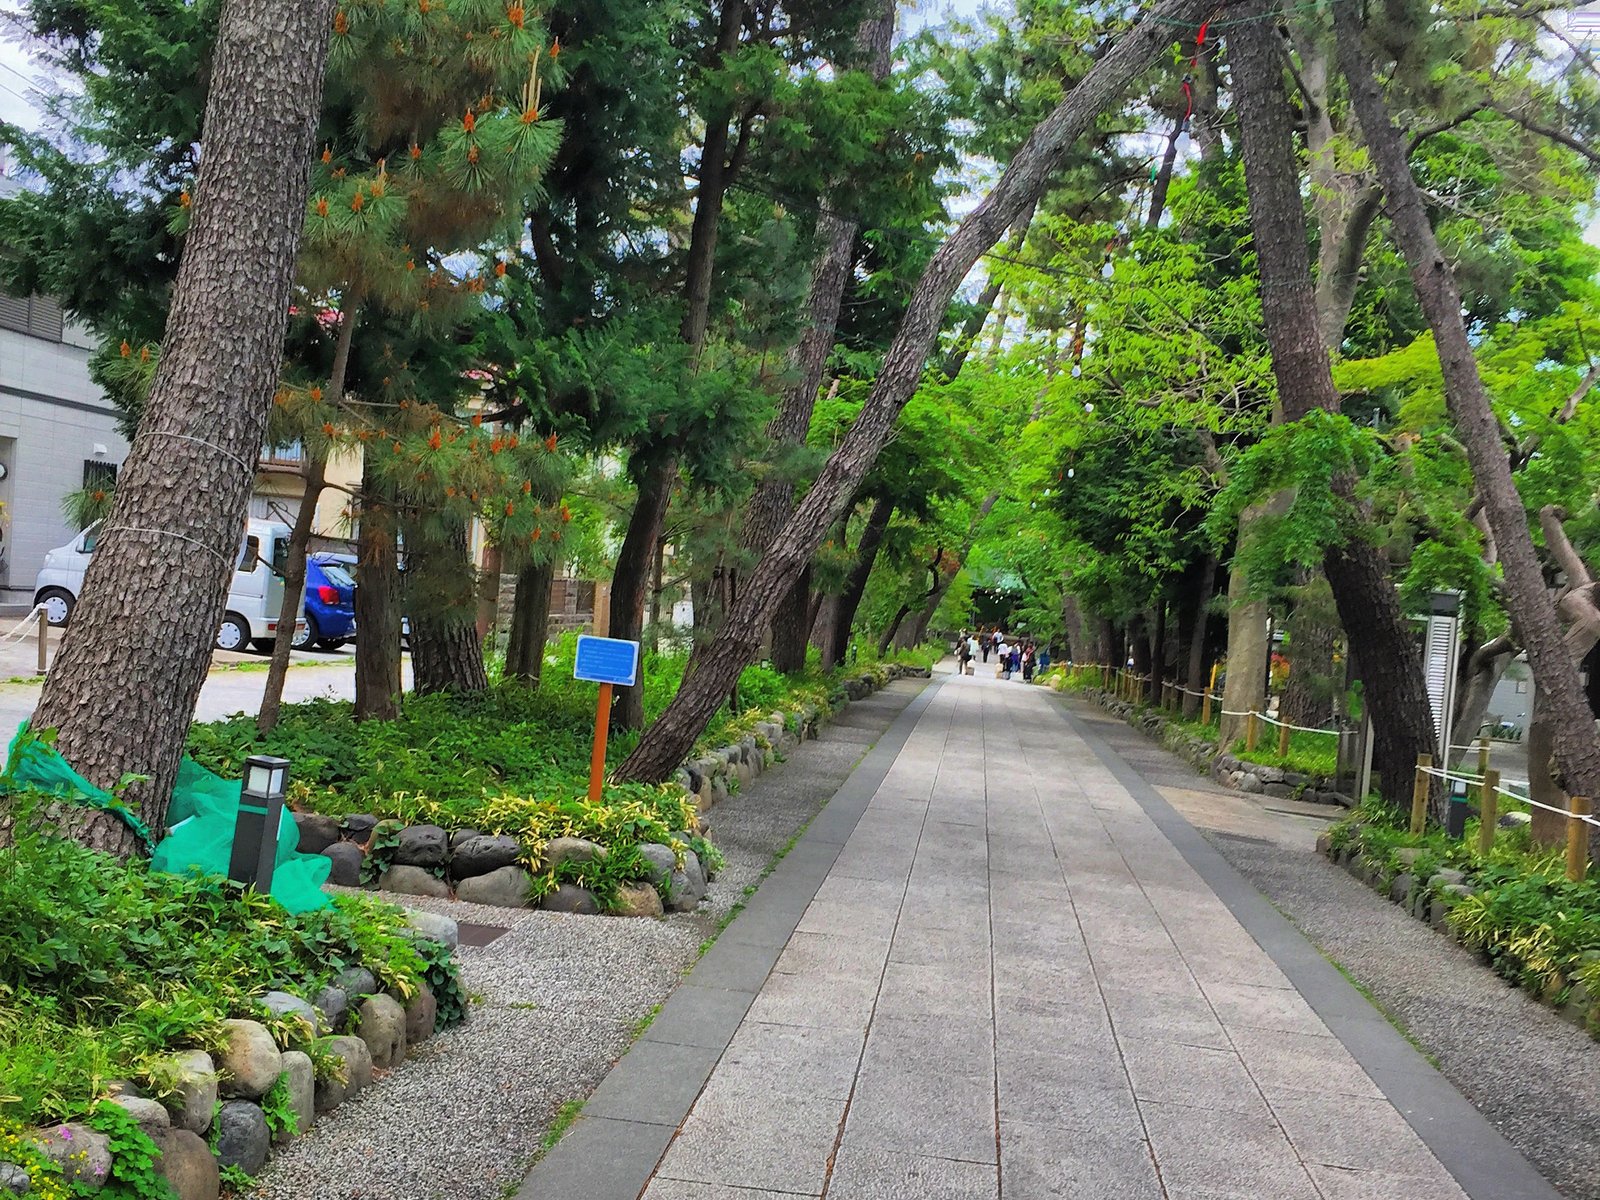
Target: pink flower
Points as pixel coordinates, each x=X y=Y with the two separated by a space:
x=66 y=1134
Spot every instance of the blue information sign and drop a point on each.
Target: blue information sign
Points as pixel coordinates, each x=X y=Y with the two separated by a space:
x=606 y=660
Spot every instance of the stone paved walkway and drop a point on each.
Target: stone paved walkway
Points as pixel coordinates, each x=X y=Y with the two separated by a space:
x=1010 y=983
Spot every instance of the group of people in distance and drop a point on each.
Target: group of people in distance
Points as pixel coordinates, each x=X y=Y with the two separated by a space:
x=1012 y=655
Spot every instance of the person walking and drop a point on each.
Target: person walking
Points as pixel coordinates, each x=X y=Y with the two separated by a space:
x=1027 y=663
x=963 y=656
x=972 y=653
x=985 y=642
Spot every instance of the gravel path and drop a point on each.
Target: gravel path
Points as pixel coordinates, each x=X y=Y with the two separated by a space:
x=558 y=999
x=1536 y=1077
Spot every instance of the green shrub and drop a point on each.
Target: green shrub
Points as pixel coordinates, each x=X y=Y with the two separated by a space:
x=1536 y=928
x=106 y=968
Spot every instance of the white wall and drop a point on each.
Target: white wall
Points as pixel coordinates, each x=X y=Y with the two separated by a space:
x=52 y=417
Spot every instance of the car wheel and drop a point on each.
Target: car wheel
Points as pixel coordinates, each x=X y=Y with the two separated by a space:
x=305 y=634
x=58 y=605
x=233 y=633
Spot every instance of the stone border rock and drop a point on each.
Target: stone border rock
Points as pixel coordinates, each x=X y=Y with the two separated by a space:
x=216 y=1116
x=1430 y=900
x=468 y=865
x=1223 y=767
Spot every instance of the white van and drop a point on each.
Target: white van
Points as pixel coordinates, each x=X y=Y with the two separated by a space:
x=255 y=597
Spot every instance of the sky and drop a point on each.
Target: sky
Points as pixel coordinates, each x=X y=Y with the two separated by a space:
x=19 y=77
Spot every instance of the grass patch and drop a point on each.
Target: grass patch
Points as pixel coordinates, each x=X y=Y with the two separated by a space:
x=565 y=1116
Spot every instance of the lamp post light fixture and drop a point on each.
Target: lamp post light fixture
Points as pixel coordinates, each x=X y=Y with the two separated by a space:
x=255 y=832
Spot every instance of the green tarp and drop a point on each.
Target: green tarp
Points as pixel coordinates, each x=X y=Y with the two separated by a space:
x=200 y=818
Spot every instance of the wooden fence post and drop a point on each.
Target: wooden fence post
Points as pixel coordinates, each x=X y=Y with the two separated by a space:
x=1578 y=839
x=1419 y=794
x=1252 y=730
x=1283 y=740
x=1488 y=812
x=44 y=643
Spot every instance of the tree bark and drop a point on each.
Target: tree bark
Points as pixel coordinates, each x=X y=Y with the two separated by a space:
x=124 y=684
x=1560 y=692
x=378 y=602
x=1369 y=607
x=773 y=500
x=530 y=621
x=1197 y=677
x=446 y=655
x=1308 y=694
x=630 y=586
x=791 y=627
x=294 y=568
x=855 y=585
x=666 y=743
x=1243 y=688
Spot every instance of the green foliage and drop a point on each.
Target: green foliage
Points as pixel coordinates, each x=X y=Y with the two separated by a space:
x=107 y=968
x=16 y=1146
x=278 y=1108
x=134 y=1157
x=1536 y=928
x=1309 y=753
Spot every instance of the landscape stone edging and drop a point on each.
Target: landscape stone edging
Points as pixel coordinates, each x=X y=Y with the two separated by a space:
x=240 y=1078
x=1430 y=901
x=1221 y=766
x=709 y=778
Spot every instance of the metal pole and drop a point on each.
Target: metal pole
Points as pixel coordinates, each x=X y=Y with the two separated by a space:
x=44 y=641
x=1483 y=755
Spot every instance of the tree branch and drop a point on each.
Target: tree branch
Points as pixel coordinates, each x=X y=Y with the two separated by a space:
x=1551 y=517
x=1549 y=131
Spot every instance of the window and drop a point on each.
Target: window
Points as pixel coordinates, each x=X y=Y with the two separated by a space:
x=247 y=556
x=97 y=474
x=337 y=575
x=37 y=316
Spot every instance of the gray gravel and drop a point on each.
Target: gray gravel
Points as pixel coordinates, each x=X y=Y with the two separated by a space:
x=1535 y=1076
x=557 y=1000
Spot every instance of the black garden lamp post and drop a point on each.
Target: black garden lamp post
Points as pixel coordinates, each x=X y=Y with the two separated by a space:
x=255 y=833
x=1456 y=815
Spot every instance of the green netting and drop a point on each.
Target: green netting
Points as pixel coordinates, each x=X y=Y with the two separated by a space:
x=201 y=819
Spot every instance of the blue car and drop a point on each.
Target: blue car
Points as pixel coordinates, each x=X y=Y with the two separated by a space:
x=330 y=604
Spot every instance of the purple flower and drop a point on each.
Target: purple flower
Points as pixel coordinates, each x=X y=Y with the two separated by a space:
x=66 y=1134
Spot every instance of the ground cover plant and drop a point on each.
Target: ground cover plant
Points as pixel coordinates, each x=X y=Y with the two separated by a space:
x=1538 y=929
x=1310 y=753
x=511 y=760
x=106 y=968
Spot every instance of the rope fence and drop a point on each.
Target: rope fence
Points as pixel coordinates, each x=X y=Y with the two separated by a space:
x=1579 y=815
x=17 y=632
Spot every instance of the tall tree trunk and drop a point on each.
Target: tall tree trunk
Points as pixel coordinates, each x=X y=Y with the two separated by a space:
x=530 y=621
x=774 y=497
x=315 y=476
x=378 y=602
x=667 y=742
x=1555 y=671
x=1197 y=677
x=640 y=543
x=1369 y=607
x=1243 y=688
x=855 y=584
x=1158 y=650
x=1163 y=177
x=630 y=586
x=791 y=627
x=124 y=684
x=967 y=338
x=294 y=570
x=822 y=631
x=446 y=655
x=1308 y=695
x=892 y=628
